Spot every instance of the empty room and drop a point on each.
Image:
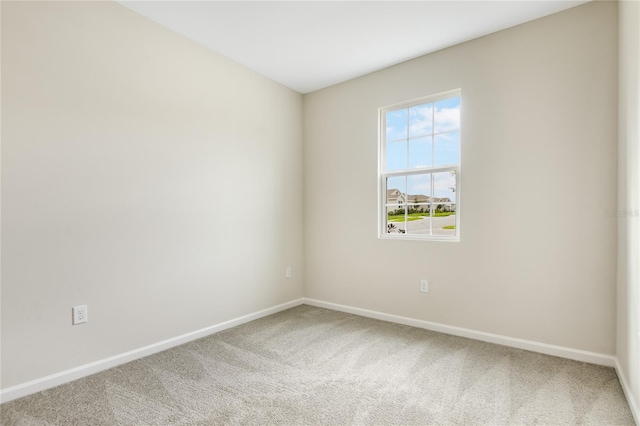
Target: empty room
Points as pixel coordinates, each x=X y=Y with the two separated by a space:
x=320 y=212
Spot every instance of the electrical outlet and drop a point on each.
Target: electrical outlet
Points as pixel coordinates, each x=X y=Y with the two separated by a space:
x=287 y=273
x=424 y=286
x=80 y=314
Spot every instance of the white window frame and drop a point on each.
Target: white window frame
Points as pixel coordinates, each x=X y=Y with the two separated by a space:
x=382 y=175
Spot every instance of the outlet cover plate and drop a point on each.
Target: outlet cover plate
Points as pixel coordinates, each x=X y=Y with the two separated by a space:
x=80 y=314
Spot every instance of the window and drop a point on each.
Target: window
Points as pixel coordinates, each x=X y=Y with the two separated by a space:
x=420 y=168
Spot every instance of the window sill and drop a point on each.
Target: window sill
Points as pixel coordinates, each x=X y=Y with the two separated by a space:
x=410 y=237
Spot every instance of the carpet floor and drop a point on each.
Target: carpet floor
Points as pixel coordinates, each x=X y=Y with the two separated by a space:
x=314 y=366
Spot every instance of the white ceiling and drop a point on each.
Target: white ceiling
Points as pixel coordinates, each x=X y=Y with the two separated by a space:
x=309 y=45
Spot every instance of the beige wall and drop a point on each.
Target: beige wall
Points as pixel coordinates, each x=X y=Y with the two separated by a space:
x=628 y=330
x=539 y=129
x=132 y=162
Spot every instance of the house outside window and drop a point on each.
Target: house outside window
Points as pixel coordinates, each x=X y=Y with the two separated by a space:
x=419 y=179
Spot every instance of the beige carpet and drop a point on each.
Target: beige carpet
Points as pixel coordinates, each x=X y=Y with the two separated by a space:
x=315 y=366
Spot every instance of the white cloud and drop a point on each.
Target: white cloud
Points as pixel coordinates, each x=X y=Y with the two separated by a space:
x=447 y=119
x=423 y=119
x=420 y=119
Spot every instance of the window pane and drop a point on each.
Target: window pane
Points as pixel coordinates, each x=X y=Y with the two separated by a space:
x=444 y=221
x=444 y=189
x=447 y=115
x=396 y=122
x=444 y=203
x=419 y=188
x=399 y=183
x=396 y=190
x=444 y=186
x=419 y=220
x=446 y=148
x=419 y=197
x=396 y=204
x=396 y=155
x=421 y=120
x=420 y=152
x=396 y=220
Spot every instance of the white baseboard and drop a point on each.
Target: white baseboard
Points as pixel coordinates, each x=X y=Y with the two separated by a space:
x=66 y=376
x=560 y=351
x=627 y=392
x=70 y=375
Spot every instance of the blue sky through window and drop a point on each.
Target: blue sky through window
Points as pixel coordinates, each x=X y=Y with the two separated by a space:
x=396 y=124
x=446 y=148
x=424 y=135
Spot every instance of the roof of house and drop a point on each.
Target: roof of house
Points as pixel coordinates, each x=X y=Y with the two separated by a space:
x=420 y=198
x=416 y=198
